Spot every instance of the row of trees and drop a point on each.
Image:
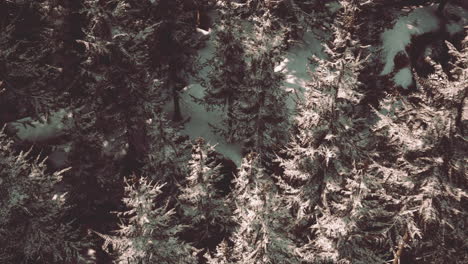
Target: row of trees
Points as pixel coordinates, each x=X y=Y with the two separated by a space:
x=340 y=182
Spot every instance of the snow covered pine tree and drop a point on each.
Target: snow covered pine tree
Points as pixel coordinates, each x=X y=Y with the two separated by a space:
x=261 y=113
x=263 y=235
x=33 y=228
x=148 y=234
x=205 y=212
x=226 y=77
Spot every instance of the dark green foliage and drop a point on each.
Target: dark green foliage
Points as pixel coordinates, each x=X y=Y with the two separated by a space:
x=148 y=232
x=203 y=209
x=30 y=69
x=260 y=113
x=33 y=228
x=263 y=233
x=326 y=178
x=226 y=80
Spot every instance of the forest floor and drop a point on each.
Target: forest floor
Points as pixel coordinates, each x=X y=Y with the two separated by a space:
x=200 y=121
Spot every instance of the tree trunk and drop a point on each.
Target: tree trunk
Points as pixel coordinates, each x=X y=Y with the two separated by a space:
x=442 y=4
x=72 y=31
x=175 y=97
x=401 y=248
x=175 y=94
x=230 y=111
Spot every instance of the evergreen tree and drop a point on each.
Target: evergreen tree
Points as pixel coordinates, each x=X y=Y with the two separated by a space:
x=118 y=117
x=261 y=113
x=327 y=178
x=203 y=208
x=327 y=128
x=31 y=66
x=168 y=152
x=226 y=78
x=425 y=140
x=33 y=228
x=175 y=45
x=148 y=234
x=263 y=234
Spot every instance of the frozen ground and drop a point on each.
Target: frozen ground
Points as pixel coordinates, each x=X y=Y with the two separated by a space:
x=294 y=66
x=417 y=22
x=43 y=129
x=395 y=40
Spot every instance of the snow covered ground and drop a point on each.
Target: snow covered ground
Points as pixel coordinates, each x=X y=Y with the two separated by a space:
x=43 y=129
x=395 y=40
x=416 y=23
x=294 y=66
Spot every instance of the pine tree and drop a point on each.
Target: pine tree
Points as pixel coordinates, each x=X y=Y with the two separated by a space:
x=119 y=122
x=168 y=152
x=33 y=228
x=148 y=233
x=261 y=113
x=328 y=180
x=174 y=47
x=263 y=234
x=383 y=188
x=425 y=140
x=226 y=78
x=30 y=65
x=203 y=208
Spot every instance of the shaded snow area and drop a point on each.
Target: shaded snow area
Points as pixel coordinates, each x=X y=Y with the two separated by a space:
x=395 y=40
x=294 y=66
x=403 y=77
x=200 y=119
x=43 y=128
x=456 y=26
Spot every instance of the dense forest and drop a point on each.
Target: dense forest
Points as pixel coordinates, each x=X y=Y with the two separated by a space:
x=233 y=131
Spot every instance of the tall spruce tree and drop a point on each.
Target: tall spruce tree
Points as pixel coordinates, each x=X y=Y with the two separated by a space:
x=261 y=113
x=148 y=233
x=119 y=122
x=263 y=234
x=327 y=125
x=327 y=178
x=226 y=78
x=33 y=225
x=204 y=210
x=425 y=138
x=175 y=45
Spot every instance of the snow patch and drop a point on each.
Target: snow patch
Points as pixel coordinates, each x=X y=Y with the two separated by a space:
x=204 y=32
x=44 y=128
x=395 y=40
x=403 y=78
x=200 y=119
x=296 y=66
x=454 y=28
